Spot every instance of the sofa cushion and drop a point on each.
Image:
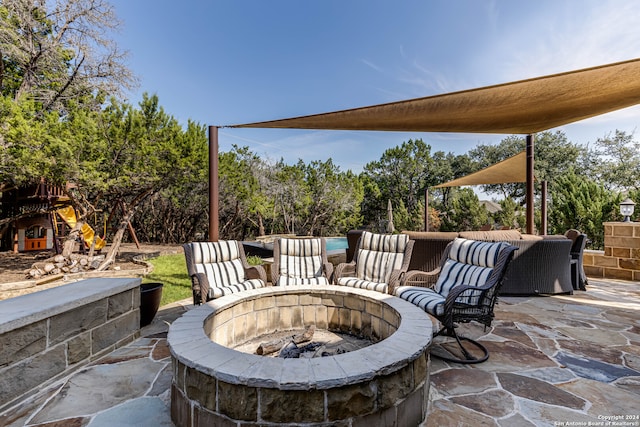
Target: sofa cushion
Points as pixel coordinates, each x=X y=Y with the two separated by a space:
x=531 y=237
x=433 y=235
x=491 y=235
x=554 y=237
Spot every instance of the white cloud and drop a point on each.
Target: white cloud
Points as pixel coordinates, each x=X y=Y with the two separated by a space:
x=579 y=35
x=372 y=65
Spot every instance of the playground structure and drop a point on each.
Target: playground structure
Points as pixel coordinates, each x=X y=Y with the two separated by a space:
x=43 y=217
x=68 y=215
x=30 y=205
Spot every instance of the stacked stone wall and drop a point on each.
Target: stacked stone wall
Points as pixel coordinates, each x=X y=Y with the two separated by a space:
x=49 y=334
x=621 y=256
x=383 y=384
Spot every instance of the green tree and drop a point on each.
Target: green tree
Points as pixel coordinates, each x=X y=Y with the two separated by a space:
x=581 y=203
x=335 y=199
x=180 y=212
x=447 y=167
x=59 y=54
x=511 y=214
x=553 y=156
x=244 y=198
x=466 y=212
x=616 y=161
x=401 y=175
x=135 y=154
x=314 y=199
x=31 y=147
x=112 y=156
x=291 y=196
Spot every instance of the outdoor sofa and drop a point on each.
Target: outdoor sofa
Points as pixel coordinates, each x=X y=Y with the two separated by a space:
x=541 y=265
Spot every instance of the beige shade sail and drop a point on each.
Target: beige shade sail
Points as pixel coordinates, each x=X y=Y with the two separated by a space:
x=521 y=107
x=513 y=169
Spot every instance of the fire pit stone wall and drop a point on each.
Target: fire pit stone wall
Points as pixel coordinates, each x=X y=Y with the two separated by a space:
x=385 y=383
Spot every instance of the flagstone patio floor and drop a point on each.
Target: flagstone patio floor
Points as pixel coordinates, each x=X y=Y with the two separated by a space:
x=559 y=360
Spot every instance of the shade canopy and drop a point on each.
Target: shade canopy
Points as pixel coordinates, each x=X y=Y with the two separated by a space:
x=521 y=107
x=513 y=169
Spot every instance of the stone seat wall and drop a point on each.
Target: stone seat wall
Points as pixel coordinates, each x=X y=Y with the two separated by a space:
x=48 y=334
x=621 y=256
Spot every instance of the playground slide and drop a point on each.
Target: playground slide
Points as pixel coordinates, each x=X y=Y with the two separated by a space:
x=68 y=214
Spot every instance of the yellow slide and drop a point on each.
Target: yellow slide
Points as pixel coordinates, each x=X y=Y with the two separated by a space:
x=68 y=214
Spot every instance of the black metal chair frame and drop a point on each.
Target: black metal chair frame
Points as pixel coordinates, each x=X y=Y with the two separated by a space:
x=456 y=312
x=578 y=276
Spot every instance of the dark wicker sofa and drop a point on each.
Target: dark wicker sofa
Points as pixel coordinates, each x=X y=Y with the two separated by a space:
x=428 y=248
x=541 y=265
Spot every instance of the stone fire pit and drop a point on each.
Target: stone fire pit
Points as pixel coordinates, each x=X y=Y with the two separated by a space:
x=382 y=384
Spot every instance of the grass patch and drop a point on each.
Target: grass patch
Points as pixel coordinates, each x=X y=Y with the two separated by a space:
x=171 y=270
x=254 y=260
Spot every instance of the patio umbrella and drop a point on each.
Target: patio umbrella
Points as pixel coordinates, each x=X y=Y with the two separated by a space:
x=390 y=227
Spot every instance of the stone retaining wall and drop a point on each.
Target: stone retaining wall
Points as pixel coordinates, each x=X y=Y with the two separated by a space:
x=621 y=256
x=49 y=334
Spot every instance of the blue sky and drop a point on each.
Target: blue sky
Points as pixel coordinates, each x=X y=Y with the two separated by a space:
x=223 y=62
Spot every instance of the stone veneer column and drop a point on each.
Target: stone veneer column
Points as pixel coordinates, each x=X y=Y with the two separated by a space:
x=621 y=256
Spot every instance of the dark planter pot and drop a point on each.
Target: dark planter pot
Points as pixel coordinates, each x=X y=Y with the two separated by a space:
x=150 y=295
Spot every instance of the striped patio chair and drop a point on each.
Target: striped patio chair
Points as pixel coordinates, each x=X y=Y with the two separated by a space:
x=466 y=288
x=220 y=268
x=378 y=263
x=300 y=262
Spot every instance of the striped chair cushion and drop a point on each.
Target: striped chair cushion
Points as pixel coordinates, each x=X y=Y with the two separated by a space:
x=219 y=261
x=354 y=282
x=379 y=255
x=425 y=298
x=469 y=263
x=301 y=258
x=288 y=281
x=383 y=242
x=483 y=254
x=207 y=252
x=220 y=291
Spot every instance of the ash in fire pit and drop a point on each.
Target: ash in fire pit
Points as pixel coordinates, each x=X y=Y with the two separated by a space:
x=307 y=343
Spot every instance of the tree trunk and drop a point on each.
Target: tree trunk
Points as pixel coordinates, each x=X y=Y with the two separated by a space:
x=70 y=242
x=115 y=246
x=92 y=249
x=128 y=211
x=261 y=225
